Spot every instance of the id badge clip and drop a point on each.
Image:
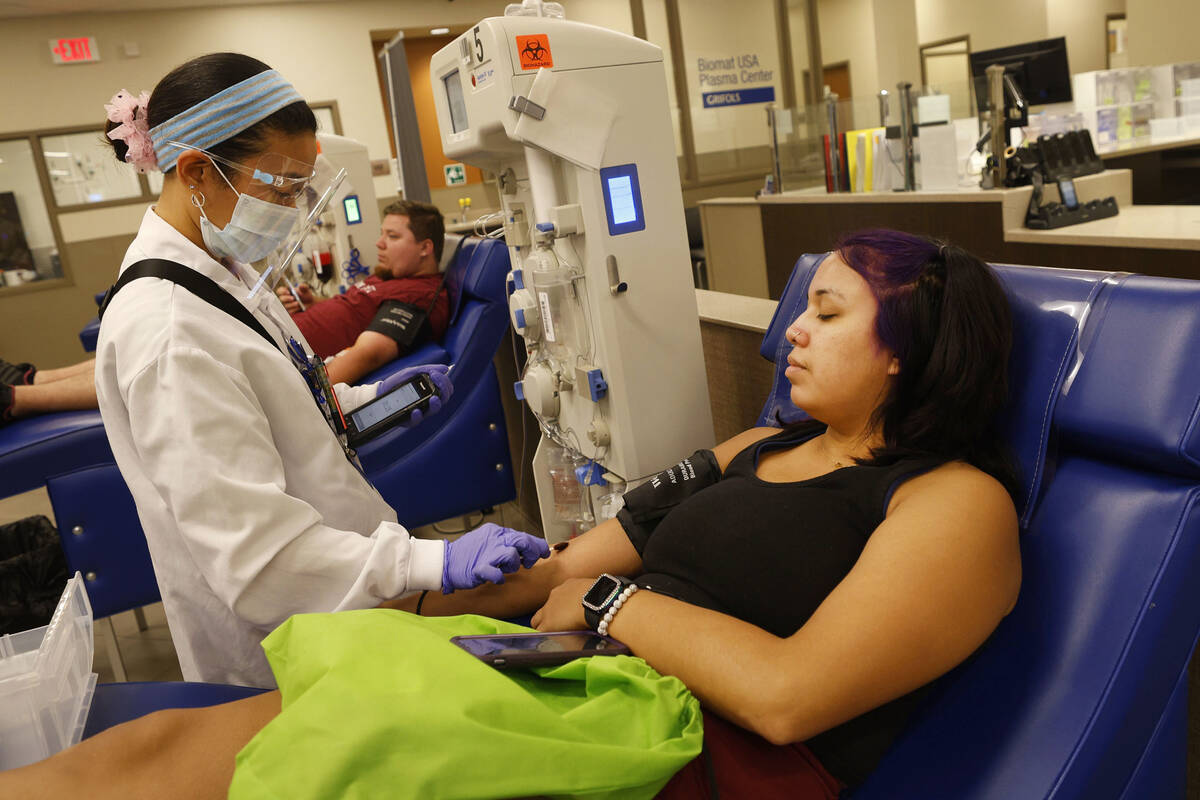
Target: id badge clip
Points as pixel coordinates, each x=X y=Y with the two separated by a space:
x=313 y=370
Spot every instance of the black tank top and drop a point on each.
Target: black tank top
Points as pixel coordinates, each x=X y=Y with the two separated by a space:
x=769 y=554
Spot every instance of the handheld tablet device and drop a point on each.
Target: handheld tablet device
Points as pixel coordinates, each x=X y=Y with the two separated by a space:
x=1066 y=189
x=513 y=650
x=388 y=410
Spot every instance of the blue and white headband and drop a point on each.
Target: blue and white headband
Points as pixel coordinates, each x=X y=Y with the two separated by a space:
x=222 y=116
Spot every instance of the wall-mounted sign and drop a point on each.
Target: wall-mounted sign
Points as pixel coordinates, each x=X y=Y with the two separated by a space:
x=739 y=97
x=734 y=80
x=456 y=174
x=79 y=50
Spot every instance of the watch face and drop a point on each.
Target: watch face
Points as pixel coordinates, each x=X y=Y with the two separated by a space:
x=602 y=590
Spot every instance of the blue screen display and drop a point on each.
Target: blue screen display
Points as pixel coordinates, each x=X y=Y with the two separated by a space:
x=1066 y=188
x=621 y=191
x=350 y=206
x=622 y=199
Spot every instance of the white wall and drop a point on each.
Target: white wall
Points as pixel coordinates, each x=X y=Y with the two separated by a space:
x=1162 y=31
x=896 y=48
x=798 y=29
x=1001 y=24
x=324 y=49
x=1082 y=22
x=848 y=34
x=988 y=24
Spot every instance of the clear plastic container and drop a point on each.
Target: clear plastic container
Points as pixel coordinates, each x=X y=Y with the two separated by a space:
x=46 y=682
x=568 y=493
x=563 y=325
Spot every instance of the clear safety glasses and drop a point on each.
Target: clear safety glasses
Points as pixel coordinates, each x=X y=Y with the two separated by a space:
x=313 y=200
x=274 y=177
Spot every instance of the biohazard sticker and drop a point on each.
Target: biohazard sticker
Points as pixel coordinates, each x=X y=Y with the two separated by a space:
x=535 y=51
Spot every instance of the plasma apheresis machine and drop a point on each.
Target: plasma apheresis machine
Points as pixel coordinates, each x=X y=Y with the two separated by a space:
x=339 y=250
x=575 y=122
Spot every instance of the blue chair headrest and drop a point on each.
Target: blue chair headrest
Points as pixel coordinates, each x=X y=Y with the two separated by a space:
x=478 y=271
x=489 y=267
x=779 y=410
x=1135 y=398
x=1048 y=307
x=456 y=272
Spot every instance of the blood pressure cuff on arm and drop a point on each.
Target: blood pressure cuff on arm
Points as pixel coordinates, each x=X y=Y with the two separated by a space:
x=403 y=323
x=646 y=505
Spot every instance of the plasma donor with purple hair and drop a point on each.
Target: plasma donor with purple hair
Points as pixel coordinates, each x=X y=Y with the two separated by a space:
x=807 y=584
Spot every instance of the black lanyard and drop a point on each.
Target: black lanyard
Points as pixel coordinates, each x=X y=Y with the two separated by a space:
x=209 y=291
x=202 y=286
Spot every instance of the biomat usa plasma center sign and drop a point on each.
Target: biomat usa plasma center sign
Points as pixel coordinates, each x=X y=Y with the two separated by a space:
x=735 y=81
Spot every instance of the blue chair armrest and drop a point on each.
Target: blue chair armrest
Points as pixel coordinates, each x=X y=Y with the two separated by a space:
x=114 y=703
x=34 y=448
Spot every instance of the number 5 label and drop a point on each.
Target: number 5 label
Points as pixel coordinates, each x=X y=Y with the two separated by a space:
x=479 y=58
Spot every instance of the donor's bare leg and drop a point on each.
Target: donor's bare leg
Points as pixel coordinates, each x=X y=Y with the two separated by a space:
x=178 y=753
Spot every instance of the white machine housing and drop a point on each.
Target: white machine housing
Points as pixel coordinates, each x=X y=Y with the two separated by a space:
x=355 y=199
x=606 y=108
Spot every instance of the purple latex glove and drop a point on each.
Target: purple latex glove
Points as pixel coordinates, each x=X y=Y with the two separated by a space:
x=438 y=376
x=486 y=553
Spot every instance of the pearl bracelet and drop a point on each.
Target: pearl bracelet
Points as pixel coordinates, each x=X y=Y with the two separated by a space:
x=607 y=619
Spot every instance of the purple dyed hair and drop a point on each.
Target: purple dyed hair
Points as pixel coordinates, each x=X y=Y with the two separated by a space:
x=892 y=263
x=944 y=315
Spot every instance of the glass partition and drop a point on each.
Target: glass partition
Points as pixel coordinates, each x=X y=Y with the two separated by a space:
x=83 y=170
x=871 y=157
x=28 y=248
x=732 y=65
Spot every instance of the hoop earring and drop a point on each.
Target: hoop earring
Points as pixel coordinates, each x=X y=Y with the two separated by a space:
x=198 y=203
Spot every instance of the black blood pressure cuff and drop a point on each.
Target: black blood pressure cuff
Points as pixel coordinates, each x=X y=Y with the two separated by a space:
x=403 y=323
x=646 y=505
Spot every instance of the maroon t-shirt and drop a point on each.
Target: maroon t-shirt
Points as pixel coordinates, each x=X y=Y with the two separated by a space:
x=332 y=325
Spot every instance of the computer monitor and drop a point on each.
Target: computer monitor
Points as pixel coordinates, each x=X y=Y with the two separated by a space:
x=1038 y=68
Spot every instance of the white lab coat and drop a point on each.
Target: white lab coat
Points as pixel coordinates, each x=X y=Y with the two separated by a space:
x=251 y=510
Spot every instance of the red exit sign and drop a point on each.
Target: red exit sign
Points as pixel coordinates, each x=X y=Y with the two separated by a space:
x=74 y=51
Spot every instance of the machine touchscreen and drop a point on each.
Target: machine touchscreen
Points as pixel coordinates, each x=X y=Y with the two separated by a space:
x=538 y=649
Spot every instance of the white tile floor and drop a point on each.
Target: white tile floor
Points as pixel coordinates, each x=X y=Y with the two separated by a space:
x=149 y=655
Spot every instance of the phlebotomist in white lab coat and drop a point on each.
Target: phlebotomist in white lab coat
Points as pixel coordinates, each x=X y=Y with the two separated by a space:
x=252 y=508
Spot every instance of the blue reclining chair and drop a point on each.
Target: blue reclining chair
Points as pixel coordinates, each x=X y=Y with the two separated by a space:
x=458 y=461
x=422 y=472
x=1082 y=690
x=34 y=448
x=102 y=539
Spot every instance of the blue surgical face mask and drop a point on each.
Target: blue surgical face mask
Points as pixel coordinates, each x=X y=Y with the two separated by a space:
x=255 y=229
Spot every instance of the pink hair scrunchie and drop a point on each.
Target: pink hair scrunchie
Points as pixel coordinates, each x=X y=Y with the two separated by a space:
x=134 y=130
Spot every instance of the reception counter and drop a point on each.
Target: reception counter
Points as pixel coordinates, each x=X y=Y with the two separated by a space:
x=753 y=243
x=1165 y=170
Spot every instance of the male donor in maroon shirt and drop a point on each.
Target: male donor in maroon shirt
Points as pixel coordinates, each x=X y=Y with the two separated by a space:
x=379 y=319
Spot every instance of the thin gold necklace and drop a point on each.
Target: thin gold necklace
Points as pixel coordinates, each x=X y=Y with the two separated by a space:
x=837 y=461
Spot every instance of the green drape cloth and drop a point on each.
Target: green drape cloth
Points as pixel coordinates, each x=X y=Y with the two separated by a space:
x=380 y=704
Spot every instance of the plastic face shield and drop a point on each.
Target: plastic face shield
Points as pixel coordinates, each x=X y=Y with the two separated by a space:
x=314 y=198
x=275 y=178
